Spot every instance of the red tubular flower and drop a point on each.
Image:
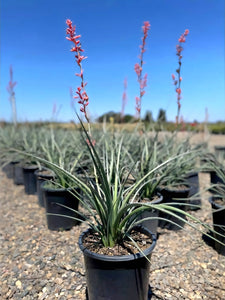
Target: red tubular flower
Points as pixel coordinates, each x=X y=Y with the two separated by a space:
x=138 y=69
x=178 y=90
x=82 y=95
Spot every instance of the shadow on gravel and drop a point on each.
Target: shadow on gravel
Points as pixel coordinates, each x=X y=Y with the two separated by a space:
x=150 y=294
x=210 y=242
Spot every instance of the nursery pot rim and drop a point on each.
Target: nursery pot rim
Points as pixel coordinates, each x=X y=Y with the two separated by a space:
x=212 y=201
x=30 y=167
x=39 y=174
x=56 y=189
x=156 y=201
x=118 y=258
x=192 y=174
x=219 y=147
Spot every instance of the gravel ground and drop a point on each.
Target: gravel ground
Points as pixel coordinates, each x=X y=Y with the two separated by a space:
x=36 y=263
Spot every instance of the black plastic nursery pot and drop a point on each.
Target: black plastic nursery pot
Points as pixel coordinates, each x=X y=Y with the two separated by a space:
x=215 y=178
x=9 y=169
x=53 y=197
x=193 y=182
x=218 y=214
x=42 y=176
x=123 y=277
x=30 y=184
x=153 y=213
x=220 y=152
x=177 y=197
x=18 y=174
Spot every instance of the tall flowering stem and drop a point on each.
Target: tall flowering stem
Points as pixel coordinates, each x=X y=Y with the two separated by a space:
x=10 y=89
x=138 y=67
x=55 y=111
x=177 y=80
x=124 y=98
x=82 y=96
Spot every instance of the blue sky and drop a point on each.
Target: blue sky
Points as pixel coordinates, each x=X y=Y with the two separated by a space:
x=33 y=42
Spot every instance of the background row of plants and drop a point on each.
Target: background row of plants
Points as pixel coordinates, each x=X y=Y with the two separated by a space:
x=141 y=151
x=112 y=120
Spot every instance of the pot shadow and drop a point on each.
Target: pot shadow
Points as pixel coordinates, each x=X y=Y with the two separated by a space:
x=209 y=241
x=215 y=245
x=150 y=294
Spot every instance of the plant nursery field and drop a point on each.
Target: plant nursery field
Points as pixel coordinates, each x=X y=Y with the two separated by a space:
x=37 y=263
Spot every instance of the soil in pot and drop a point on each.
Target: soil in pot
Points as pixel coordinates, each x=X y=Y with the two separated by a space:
x=53 y=197
x=30 y=184
x=151 y=224
x=177 y=196
x=218 y=214
x=41 y=176
x=109 y=274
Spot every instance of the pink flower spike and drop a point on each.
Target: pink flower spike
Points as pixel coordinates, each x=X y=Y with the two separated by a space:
x=138 y=69
x=177 y=83
x=81 y=93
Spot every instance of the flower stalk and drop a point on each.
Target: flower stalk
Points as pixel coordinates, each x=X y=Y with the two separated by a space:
x=82 y=96
x=177 y=81
x=10 y=89
x=124 y=99
x=138 y=67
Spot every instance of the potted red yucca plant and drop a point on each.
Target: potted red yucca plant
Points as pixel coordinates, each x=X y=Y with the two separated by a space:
x=117 y=251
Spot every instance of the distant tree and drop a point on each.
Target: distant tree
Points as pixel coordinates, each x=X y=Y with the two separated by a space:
x=116 y=117
x=148 y=117
x=161 y=116
x=106 y=117
x=128 y=118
